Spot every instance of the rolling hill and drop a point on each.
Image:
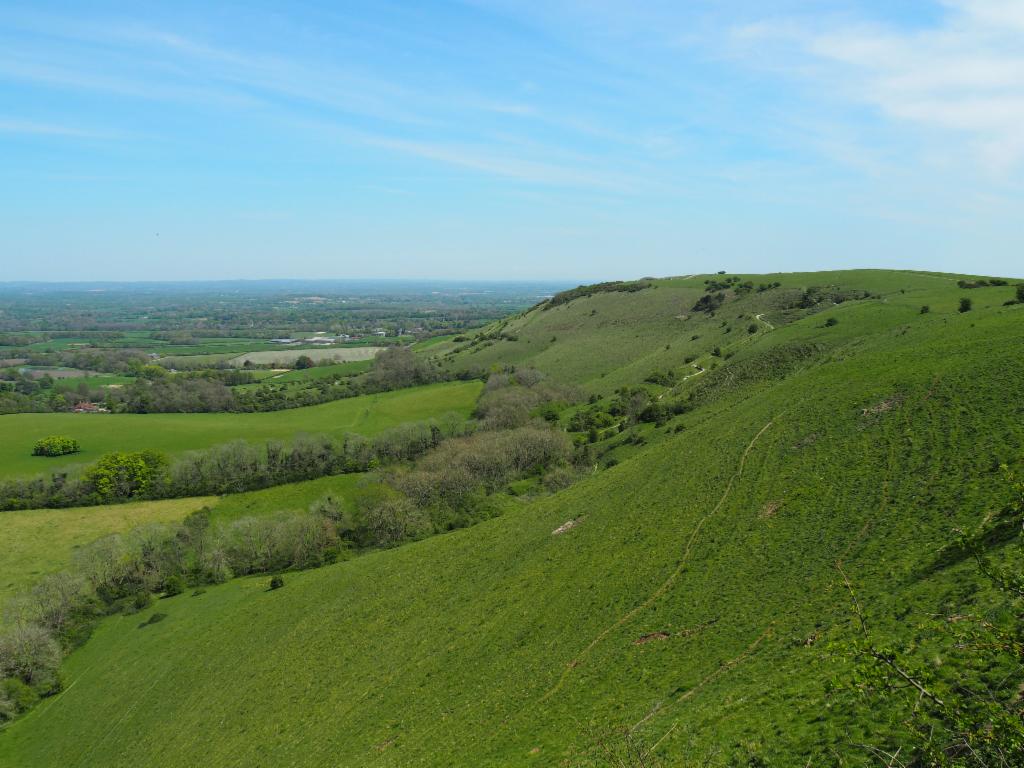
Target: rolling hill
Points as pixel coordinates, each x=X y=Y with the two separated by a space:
x=691 y=604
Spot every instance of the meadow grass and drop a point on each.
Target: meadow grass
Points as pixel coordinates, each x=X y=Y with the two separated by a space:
x=176 y=432
x=41 y=541
x=289 y=354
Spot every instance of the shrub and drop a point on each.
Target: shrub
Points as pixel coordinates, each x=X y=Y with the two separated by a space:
x=1020 y=292
x=302 y=362
x=141 y=601
x=55 y=445
x=831 y=322
x=752 y=328
x=174 y=585
x=15 y=697
x=29 y=653
x=925 y=309
x=965 y=305
x=276 y=582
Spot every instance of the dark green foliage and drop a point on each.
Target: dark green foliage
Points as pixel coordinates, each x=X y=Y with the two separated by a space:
x=302 y=362
x=752 y=328
x=992 y=282
x=831 y=322
x=16 y=697
x=965 y=305
x=276 y=581
x=174 y=585
x=709 y=302
x=925 y=309
x=1020 y=293
x=616 y=286
x=55 y=445
x=396 y=368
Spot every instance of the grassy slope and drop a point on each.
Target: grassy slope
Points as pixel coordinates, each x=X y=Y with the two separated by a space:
x=613 y=339
x=502 y=644
x=174 y=432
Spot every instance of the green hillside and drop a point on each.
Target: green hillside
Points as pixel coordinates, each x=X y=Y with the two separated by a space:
x=693 y=602
x=610 y=339
x=176 y=432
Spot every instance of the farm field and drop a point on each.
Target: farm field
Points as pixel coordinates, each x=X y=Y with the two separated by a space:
x=321 y=372
x=92 y=380
x=289 y=354
x=177 y=432
x=41 y=541
x=694 y=602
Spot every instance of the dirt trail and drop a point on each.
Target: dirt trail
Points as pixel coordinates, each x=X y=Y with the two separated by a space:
x=667 y=584
x=761 y=318
x=683 y=380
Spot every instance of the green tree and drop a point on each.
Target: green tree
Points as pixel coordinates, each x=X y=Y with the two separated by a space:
x=966 y=305
x=303 y=362
x=119 y=476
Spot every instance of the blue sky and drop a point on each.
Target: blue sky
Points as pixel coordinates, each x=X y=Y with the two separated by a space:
x=497 y=139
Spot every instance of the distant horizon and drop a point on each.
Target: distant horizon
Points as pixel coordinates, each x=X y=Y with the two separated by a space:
x=444 y=281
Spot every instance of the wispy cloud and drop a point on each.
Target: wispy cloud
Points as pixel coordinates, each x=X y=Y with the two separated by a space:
x=31 y=128
x=963 y=77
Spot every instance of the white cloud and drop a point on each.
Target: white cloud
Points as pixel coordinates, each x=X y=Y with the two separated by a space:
x=963 y=77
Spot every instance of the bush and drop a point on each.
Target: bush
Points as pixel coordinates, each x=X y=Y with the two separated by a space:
x=831 y=322
x=1020 y=292
x=15 y=697
x=302 y=362
x=752 y=328
x=965 y=305
x=55 y=445
x=925 y=309
x=29 y=653
x=174 y=585
x=276 y=582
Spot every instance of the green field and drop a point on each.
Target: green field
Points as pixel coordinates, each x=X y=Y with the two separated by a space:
x=174 y=432
x=92 y=381
x=322 y=372
x=288 y=355
x=41 y=541
x=693 y=604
